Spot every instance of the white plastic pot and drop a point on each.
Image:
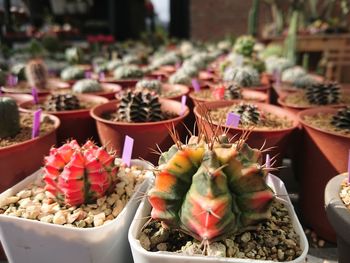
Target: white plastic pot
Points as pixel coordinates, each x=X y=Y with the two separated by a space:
x=141 y=255
x=27 y=240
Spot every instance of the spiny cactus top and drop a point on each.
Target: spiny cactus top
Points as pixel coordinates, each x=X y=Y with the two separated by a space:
x=140 y=106
x=305 y=81
x=210 y=189
x=323 y=93
x=36 y=74
x=149 y=84
x=86 y=86
x=72 y=73
x=292 y=74
x=9 y=117
x=62 y=102
x=180 y=77
x=278 y=64
x=342 y=119
x=242 y=76
x=244 y=45
x=79 y=175
x=249 y=113
x=232 y=92
x=74 y=55
x=128 y=72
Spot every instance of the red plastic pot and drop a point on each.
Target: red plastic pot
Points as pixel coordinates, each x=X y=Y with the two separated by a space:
x=76 y=124
x=324 y=155
x=274 y=138
x=146 y=135
x=251 y=95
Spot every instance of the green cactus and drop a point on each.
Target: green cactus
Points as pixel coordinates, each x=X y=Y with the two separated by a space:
x=290 y=44
x=62 y=102
x=128 y=72
x=244 y=46
x=209 y=188
x=9 y=117
x=86 y=86
x=242 y=76
x=253 y=18
x=139 y=106
x=323 y=93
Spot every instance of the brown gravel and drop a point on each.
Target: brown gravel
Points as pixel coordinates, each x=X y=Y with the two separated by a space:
x=26 y=123
x=268 y=121
x=207 y=94
x=114 y=116
x=299 y=99
x=323 y=121
x=274 y=239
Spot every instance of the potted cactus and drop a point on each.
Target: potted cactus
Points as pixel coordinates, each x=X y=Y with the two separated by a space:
x=72 y=73
x=125 y=75
x=229 y=91
x=20 y=153
x=337 y=194
x=142 y=116
x=73 y=112
x=316 y=95
x=37 y=76
x=164 y=90
x=269 y=124
x=326 y=143
x=77 y=208
x=91 y=86
x=207 y=195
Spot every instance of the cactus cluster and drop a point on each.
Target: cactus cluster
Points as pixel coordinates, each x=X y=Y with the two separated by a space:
x=244 y=45
x=342 y=118
x=62 y=102
x=79 y=175
x=72 y=73
x=149 y=84
x=293 y=74
x=9 y=117
x=86 y=86
x=249 y=113
x=139 y=106
x=36 y=74
x=323 y=93
x=210 y=188
x=242 y=76
x=128 y=72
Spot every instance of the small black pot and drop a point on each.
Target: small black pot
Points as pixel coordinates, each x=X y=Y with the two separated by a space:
x=339 y=216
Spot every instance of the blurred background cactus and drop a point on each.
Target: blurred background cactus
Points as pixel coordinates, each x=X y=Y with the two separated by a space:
x=9 y=117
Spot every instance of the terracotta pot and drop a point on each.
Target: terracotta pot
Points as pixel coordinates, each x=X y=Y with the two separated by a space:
x=109 y=91
x=295 y=109
x=75 y=124
x=324 y=155
x=339 y=216
x=274 y=138
x=250 y=95
x=207 y=76
x=183 y=90
x=22 y=87
x=146 y=135
x=124 y=83
x=22 y=159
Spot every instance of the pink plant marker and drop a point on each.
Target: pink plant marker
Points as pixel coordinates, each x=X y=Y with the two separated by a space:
x=88 y=74
x=35 y=95
x=177 y=65
x=127 y=150
x=232 y=119
x=159 y=78
x=268 y=161
x=101 y=76
x=195 y=85
x=183 y=104
x=36 y=123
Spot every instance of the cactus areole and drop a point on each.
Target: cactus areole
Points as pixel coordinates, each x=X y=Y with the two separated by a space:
x=210 y=190
x=78 y=175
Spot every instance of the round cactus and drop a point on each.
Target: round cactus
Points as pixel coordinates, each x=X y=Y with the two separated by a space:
x=128 y=72
x=278 y=64
x=293 y=74
x=62 y=102
x=149 y=84
x=79 y=175
x=140 y=106
x=305 y=82
x=180 y=78
x=72 y=73
x=86 y=86
x=74 y=55
x=9 y=117
x=36 y=74
x=249 y=113
x=342 y=119
x=242 y=76
x=232 y=92
x=323 y=93
x=244 y=45
x=209 y=188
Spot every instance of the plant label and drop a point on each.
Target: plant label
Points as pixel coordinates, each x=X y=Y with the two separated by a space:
x=232 y=119
x=127 y=150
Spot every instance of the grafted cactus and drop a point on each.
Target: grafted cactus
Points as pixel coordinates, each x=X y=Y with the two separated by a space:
x=210 y=188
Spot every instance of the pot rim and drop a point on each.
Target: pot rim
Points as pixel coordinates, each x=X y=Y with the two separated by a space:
x=115 y=102
x=289 y=115
x=57 y=123
x=314 y=111
x=85 y=97
x=17 y=90
x=244 y=90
